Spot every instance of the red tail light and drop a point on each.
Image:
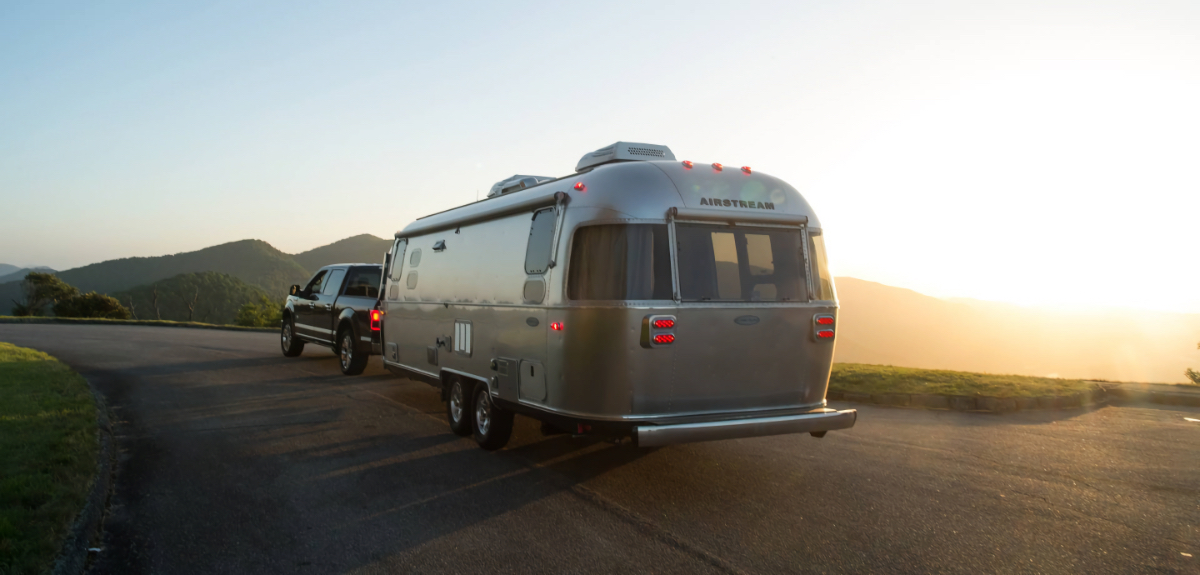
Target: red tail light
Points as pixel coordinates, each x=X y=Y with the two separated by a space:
x=664 y=323
x=556 y=325
x=375 y=315
x=825 y=320
x=667 y=338
x=825 y=334
x=579 y=186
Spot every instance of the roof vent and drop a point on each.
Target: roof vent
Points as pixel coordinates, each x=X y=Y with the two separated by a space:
x=624 y=151
x=515 y=184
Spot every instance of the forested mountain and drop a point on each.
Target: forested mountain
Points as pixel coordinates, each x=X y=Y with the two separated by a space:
x=364 y=248
x=18 y=274
x=208 y=297
x=254 y=262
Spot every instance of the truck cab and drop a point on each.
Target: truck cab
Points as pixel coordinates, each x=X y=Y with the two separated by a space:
x=335 y=310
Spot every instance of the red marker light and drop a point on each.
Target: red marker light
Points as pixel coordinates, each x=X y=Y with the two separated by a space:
x=664 y=323
x=825 y=334
x=746 y=169
x=579 y=186
x=718 y=167
x=556 y=325
x=825 y=320
x=688 y=164
x=667 y=338
x=375 y=315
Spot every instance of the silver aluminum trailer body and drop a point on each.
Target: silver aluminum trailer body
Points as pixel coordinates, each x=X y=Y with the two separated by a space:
x=486 y=293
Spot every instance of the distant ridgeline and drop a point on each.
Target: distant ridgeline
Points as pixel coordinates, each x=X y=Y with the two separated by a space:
x=243 y=271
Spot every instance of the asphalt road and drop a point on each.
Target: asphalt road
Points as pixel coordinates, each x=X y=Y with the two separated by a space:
x=234 y=459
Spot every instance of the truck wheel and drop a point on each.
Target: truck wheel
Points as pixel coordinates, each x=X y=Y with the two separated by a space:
x=351 y=361
x=292 y=346
x=458 y=409
x=493 y=425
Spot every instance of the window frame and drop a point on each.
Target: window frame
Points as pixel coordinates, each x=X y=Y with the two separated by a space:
x=806 y=286
x=570 y=253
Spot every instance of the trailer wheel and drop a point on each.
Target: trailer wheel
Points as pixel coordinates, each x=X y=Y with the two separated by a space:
x=458 y=409
x=493 y=425
x=292 y=346
x=351 y=361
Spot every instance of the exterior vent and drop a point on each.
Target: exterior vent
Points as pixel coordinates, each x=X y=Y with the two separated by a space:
x=515 y=184
x=624 y=151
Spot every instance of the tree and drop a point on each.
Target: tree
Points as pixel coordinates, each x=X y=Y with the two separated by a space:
x=91 y=305
x=264 y=313
x=41 y=289
x=191 y=305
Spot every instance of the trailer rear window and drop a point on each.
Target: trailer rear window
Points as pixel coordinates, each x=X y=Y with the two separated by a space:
x=620 y=262
x=726 y=263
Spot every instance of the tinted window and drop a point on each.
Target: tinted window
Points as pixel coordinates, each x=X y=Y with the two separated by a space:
x=334 y=282
x=541 y=235
x=398 y=259
x=620 y=262
x=822 y=280
x=363 y=282
x=314 y=285
x=740 y=264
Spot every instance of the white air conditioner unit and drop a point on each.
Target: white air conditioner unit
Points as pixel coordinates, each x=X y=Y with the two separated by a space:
x=624 y=152
x=516 y=183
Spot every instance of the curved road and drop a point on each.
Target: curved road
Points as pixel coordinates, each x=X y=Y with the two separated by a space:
x=234 y=459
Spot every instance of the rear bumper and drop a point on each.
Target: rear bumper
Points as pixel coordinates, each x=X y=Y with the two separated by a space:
x=654 y=435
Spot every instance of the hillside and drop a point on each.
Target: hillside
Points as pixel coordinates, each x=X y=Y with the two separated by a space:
x=19 y=274
x=216 y=298
x=889 y=325
x=364 y=248
x=6 y=269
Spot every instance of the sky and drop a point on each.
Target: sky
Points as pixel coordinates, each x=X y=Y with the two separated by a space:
x=1040 y=153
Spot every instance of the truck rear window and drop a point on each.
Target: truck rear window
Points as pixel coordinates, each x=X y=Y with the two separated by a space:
x=726 y=263
x=364 y=282
x=620 y=262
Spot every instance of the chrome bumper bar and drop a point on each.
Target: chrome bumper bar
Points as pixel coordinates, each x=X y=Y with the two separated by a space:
x=653 y=435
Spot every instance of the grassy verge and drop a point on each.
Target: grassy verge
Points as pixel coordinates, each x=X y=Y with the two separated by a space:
x=48 y=449
x=163 y=323
x=864 y=378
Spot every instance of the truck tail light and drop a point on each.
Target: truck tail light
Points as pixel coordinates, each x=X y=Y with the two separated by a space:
x=375 y=315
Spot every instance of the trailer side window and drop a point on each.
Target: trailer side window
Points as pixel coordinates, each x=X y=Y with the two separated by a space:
x=739 y=264
x=398 y=259
x=541 y=235
x=822 y=280
x=620 y=262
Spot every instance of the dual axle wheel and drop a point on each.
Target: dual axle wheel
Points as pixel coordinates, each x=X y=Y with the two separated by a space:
x=470 y=410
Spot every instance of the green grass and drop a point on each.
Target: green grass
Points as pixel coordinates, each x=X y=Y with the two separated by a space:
x=864 y=378
x=48 y=450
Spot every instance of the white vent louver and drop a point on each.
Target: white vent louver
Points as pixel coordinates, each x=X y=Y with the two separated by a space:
x=516 y=183
x=624 y=151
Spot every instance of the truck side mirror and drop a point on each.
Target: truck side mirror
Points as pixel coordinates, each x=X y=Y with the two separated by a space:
x=294 y=290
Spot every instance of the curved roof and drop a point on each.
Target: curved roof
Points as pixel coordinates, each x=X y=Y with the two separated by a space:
x=642 y=190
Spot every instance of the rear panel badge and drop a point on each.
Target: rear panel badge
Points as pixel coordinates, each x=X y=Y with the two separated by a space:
x=746 y=320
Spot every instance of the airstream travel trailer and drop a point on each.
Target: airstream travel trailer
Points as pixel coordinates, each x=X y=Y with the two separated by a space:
x=667 y=301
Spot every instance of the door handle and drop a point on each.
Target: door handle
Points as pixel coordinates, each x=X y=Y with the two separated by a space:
x=328 y=306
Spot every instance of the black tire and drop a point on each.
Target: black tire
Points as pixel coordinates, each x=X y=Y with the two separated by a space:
x=493 y=425
x=352 y=360
x=292 y=346
x=458 y=402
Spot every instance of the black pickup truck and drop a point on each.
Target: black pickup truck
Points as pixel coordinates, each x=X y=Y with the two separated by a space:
x=336 y=309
